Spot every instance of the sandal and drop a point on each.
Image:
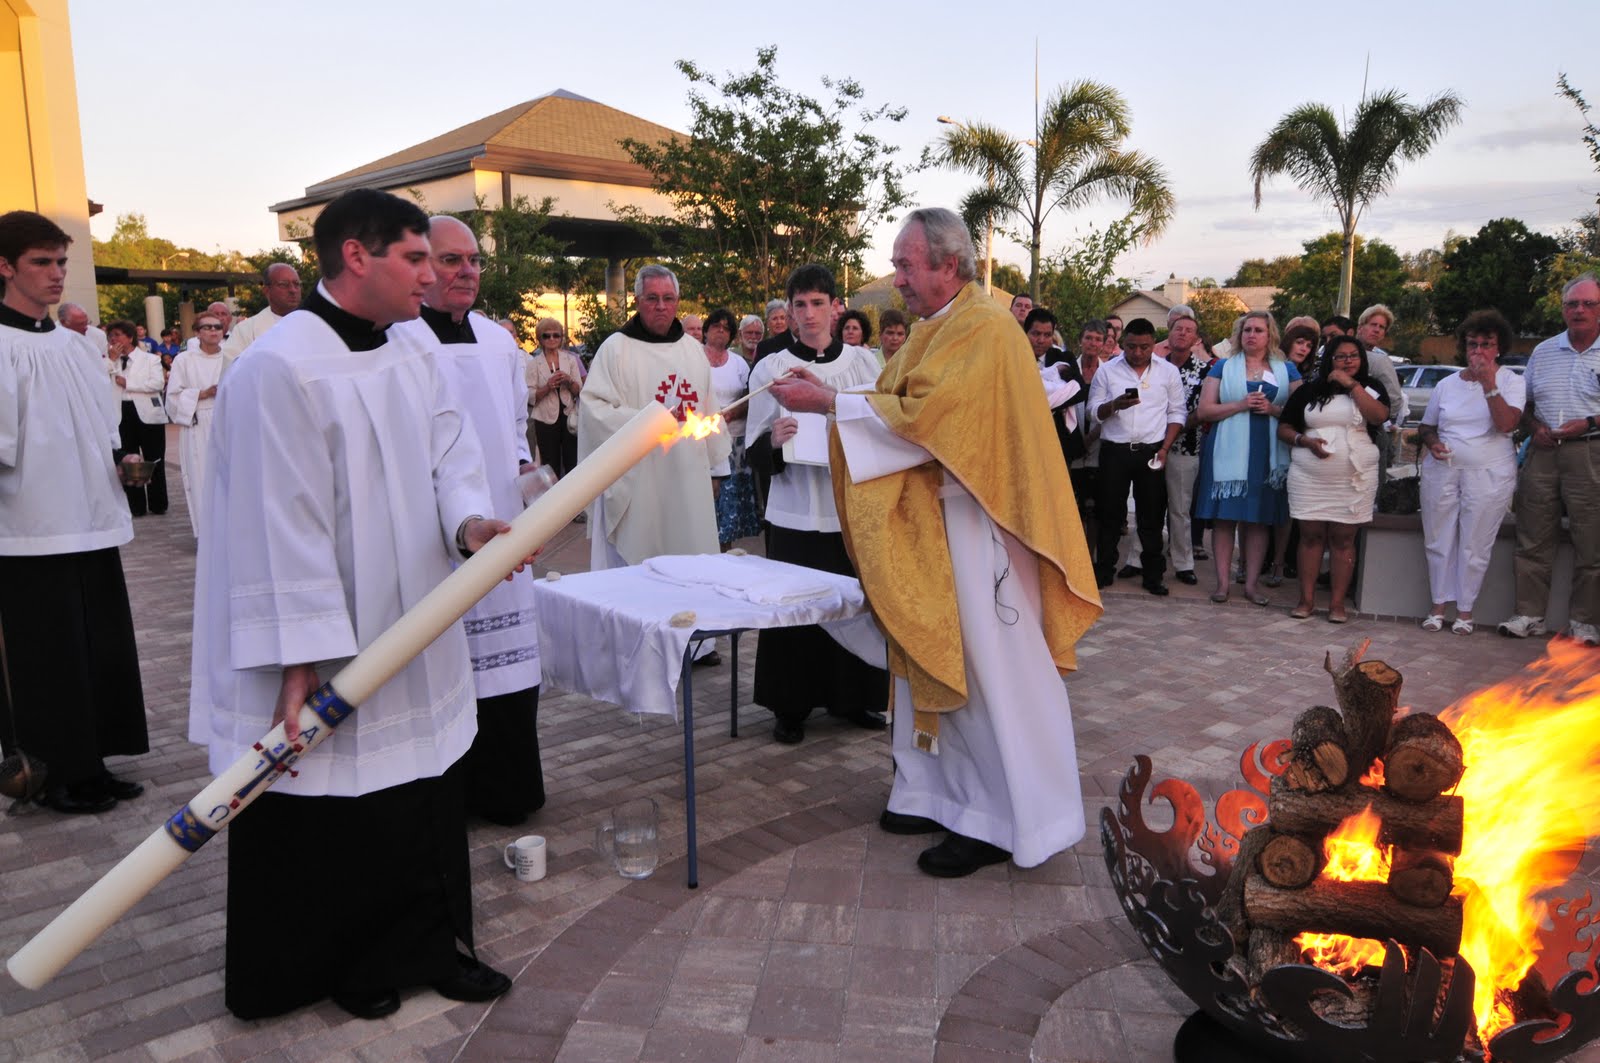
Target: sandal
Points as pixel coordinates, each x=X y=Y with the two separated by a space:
x=1301 y=612
x=1461 y=627
x=1435 y=622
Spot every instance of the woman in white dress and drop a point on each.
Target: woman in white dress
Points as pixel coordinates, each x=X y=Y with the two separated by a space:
x=1333 y=467
x=1470 y=471
x=191 y=394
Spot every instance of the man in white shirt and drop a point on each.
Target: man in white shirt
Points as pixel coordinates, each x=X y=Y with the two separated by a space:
x=344 y=483
x=1138 y=402
x=280 y=283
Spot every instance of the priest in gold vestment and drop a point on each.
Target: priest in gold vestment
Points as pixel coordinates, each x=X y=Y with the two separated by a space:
x=959 y=517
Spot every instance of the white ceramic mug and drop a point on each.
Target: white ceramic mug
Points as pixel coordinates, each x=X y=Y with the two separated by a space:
x=526 y=857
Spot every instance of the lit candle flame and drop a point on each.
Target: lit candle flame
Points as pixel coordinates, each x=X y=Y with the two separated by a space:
x=693 y=427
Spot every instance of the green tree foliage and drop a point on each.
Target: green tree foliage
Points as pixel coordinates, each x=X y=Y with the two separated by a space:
x=519 y=258
x=1313 y=287
x=1078 y=282
x=1504 y=266
x=767 y=180
x=1349 y=167
x=1260 y=273
x=131 y=246
x=1008 y=278
x=1215 y=311
x=1414 y=321
x=1564 y=268
x=1074 y=159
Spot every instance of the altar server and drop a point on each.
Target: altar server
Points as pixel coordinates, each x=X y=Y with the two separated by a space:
x=68 y=631
x=342 y=485
x=191 y=396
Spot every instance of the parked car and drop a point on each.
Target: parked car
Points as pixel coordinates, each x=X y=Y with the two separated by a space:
x=1418 y=382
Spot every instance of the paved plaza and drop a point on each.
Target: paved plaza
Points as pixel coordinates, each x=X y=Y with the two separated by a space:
x=812 y=936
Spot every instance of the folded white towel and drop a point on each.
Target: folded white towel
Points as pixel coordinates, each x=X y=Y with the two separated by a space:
x=751 y=579
x=1057 y=391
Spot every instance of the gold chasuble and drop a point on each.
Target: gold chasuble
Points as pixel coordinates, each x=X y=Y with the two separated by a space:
x=965 y=388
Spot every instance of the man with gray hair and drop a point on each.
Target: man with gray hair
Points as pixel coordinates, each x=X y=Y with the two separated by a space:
x=778 y=335
x=949 y=485
x=76 y=319
x=664 y=504
x=1562 y=470
x=1176 y=314
x=280 y=283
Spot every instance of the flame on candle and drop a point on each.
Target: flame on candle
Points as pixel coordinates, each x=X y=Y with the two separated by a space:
x=693 y=427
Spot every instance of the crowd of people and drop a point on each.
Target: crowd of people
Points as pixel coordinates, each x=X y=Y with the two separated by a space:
x=343 y=451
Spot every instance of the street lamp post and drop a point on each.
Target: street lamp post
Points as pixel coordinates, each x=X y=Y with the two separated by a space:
x=988 y=232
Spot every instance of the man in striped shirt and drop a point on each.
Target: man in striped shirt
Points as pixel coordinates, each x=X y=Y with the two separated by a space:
x=1562 y=469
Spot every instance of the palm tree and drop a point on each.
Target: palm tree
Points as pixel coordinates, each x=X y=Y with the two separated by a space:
x=1351 y=167
x=1075 y=159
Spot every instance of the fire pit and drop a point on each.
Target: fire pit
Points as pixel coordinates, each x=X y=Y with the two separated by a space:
x=1382 y=889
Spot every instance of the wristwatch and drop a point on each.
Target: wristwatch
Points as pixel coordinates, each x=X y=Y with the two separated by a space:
x=1594 y=425
x=833 y=405
x=1491 y=393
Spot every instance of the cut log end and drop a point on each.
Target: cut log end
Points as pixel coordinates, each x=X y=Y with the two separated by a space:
x=1424 y=758
x=1289 y=862
x=1422 y=879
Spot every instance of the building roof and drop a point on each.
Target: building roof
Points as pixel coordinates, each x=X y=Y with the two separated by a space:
x=559 y=134
x=1258 y=297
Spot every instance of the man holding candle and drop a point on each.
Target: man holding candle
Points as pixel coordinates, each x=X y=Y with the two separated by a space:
x=342 y=485
x=948 y=487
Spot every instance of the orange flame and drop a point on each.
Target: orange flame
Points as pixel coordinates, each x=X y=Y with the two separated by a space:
x=1531 y=745
x=693 y=427
x=1354 y=855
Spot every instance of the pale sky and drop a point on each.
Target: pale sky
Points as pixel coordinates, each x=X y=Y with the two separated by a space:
x=200 y=115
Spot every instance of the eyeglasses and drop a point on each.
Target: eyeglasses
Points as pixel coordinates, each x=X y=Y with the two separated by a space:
x=202 y=328
x=454 y=261
x=551 y=335
x=1483 y=345
x=1581 y=304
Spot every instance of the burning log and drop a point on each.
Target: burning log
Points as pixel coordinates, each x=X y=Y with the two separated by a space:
x=1423 y=759
x=1230 y=906
x=1369 y=694
x=1421 y=877
x=1359 y=909
x=1269 y=949
x=1435 y=824
x=1319 y=760
x=1290 y=862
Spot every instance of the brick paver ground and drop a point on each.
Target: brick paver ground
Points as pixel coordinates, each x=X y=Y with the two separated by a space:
x=812 y=937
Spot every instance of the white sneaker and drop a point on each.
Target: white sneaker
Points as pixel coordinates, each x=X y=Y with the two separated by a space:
x=1520 y=627
x=1584 y=633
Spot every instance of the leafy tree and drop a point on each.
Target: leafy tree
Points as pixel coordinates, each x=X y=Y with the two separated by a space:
x=1008 y=278
x=1352 y=166
x=767 y=180
x=1504 y=266
x=131 y=246
x=1586 y=237
x=1215 y=311
x=1260 y=273
x=518 y=257
x=1413 y=321
x=1564 y=268
x=1075 y=158
x=1079 y=283
x=1311 y=287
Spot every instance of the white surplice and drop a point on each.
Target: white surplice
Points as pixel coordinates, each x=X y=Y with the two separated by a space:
x=338 y=480
x=59 y=493
x=1006 y=770
x=246 y=332
x=663 y=505
x=192 y=373
x=801 y=496
x=503 y=628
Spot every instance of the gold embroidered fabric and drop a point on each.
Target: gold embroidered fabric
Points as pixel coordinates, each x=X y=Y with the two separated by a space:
x=965 y=387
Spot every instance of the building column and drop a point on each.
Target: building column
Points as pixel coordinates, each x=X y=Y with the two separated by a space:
x=616 y=286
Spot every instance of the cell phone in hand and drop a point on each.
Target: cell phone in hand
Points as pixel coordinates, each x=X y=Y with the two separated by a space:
x=1131 y=393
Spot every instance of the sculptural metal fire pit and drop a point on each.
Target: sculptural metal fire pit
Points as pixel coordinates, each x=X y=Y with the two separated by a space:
x=1266 y=914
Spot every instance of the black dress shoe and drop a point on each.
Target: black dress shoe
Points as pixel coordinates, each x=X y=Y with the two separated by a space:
x=871 y=721
x=959 y=855
x=473 y=982
x=77 y=798
x=120 y=789
x=373 y=1005
x=1158 y=589
x=789 y=734
x=710 y=660
x=1103 y=577
x=1187 y=576
x=1129 y=572
x=900 y=823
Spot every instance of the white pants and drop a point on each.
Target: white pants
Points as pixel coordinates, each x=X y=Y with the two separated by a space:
x=1461 y=514
x=1007 y=769
x=1181 y=472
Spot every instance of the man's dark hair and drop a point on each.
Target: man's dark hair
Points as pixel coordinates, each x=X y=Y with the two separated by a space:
x=859 y=318
x=811 y=278
x=127 y=328
x=1113 y=317
x=375 y=219
x=1036 y=315
x=1344 y=323
x=1021 y=295
x=1095 y=325
x=889 y=317
x=23 y=230
x=1139 y=326
x=724 y=317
